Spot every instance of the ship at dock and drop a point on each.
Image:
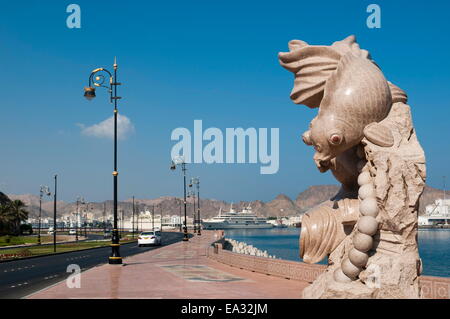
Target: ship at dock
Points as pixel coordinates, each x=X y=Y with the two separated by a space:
x=436 y=215
x=245 y=219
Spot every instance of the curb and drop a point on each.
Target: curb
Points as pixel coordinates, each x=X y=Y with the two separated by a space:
x=60 y=253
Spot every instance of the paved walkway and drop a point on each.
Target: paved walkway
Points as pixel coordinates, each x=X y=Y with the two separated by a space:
x=179 y=271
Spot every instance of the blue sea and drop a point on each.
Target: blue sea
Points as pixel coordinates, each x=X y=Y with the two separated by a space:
x=434 y=246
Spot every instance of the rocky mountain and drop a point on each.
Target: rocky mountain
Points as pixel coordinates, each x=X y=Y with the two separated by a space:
x=429 y=195
x=282 y=205
x=315 y=195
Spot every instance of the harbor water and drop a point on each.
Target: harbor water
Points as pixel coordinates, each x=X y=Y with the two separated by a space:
x=434 y=246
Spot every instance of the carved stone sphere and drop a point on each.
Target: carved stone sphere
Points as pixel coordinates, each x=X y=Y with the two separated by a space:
x=349 y=269
x=358 y=258
x=363 y=242
x=366 y=191
x=364 y=178
x=369 y=207
x=339 y=276
x=368 y=225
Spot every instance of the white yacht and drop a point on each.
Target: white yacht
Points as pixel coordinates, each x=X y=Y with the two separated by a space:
x=232 y=219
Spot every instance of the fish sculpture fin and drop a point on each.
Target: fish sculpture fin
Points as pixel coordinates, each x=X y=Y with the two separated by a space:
x=379 y=134
x=398 y=95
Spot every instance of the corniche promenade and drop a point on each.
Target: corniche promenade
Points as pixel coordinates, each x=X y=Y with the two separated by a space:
x=201 y=268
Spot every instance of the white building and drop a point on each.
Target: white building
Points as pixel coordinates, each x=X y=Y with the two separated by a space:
x=435 y=214
x=294 y=220
x=144 y=221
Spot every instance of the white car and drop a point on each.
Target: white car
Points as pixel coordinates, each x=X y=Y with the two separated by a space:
x=149 y=238
x=72 y=232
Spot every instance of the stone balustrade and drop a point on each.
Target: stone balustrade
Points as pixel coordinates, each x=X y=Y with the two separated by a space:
x=431 y=287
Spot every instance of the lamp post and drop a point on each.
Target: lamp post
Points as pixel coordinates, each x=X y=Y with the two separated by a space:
x=161 y=219
x=86 y=210
x=104 y=217
x=196 y=181
x=179 y=202
x=137 y=217
x=179 y=160
x=96 y=79
x=122 y=230
x=54 y=213
x=140 y=218
x=44 y=190
x=132 y=224
x=192 y=194
x=80 y=200
x=153 y=217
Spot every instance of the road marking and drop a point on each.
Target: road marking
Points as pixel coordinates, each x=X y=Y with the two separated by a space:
x=18 y=285
x=79 y=257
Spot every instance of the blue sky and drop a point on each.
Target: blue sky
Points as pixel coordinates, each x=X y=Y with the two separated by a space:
x=186 y=60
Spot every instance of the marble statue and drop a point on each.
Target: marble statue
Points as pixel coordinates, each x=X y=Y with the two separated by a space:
x=363 y=134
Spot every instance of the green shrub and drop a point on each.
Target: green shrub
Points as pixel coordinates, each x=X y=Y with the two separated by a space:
x=26 y=228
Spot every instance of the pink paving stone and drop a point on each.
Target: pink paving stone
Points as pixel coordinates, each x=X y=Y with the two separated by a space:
x=178 y=271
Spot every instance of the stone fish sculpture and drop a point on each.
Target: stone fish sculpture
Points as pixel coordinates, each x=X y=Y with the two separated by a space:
x=355 y=95
x=363 y=133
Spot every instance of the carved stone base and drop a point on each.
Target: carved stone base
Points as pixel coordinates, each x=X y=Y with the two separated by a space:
x=386 y=277
x=394 y=283
x=325 y=287
x=392 y=272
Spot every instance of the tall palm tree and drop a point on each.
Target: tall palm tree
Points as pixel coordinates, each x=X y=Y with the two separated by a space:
x=17 y=214
x=5 y=218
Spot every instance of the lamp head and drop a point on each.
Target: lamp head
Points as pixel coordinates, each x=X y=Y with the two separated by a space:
x=89 y=93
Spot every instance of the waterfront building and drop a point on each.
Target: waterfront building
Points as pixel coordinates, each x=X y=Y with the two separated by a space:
x=436 y=214
x=144 y=221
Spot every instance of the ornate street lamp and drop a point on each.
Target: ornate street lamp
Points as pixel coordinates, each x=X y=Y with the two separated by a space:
x=45 y=190
x=104 y=218
x=54 y=212
x=97 y=79
x=80 y=201
x=192 y=194
x=196 y=181
x=161 y=219
x=179 y=160
x=153 y=217
x=132 y=223
x=179 y=202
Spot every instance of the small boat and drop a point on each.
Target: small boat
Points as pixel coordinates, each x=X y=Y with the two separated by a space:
x=279 y=224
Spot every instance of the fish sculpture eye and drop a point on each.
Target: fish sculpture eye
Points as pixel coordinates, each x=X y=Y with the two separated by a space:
x=335 y=139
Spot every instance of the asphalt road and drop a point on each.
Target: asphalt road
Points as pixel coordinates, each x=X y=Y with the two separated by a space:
x=21 y=278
